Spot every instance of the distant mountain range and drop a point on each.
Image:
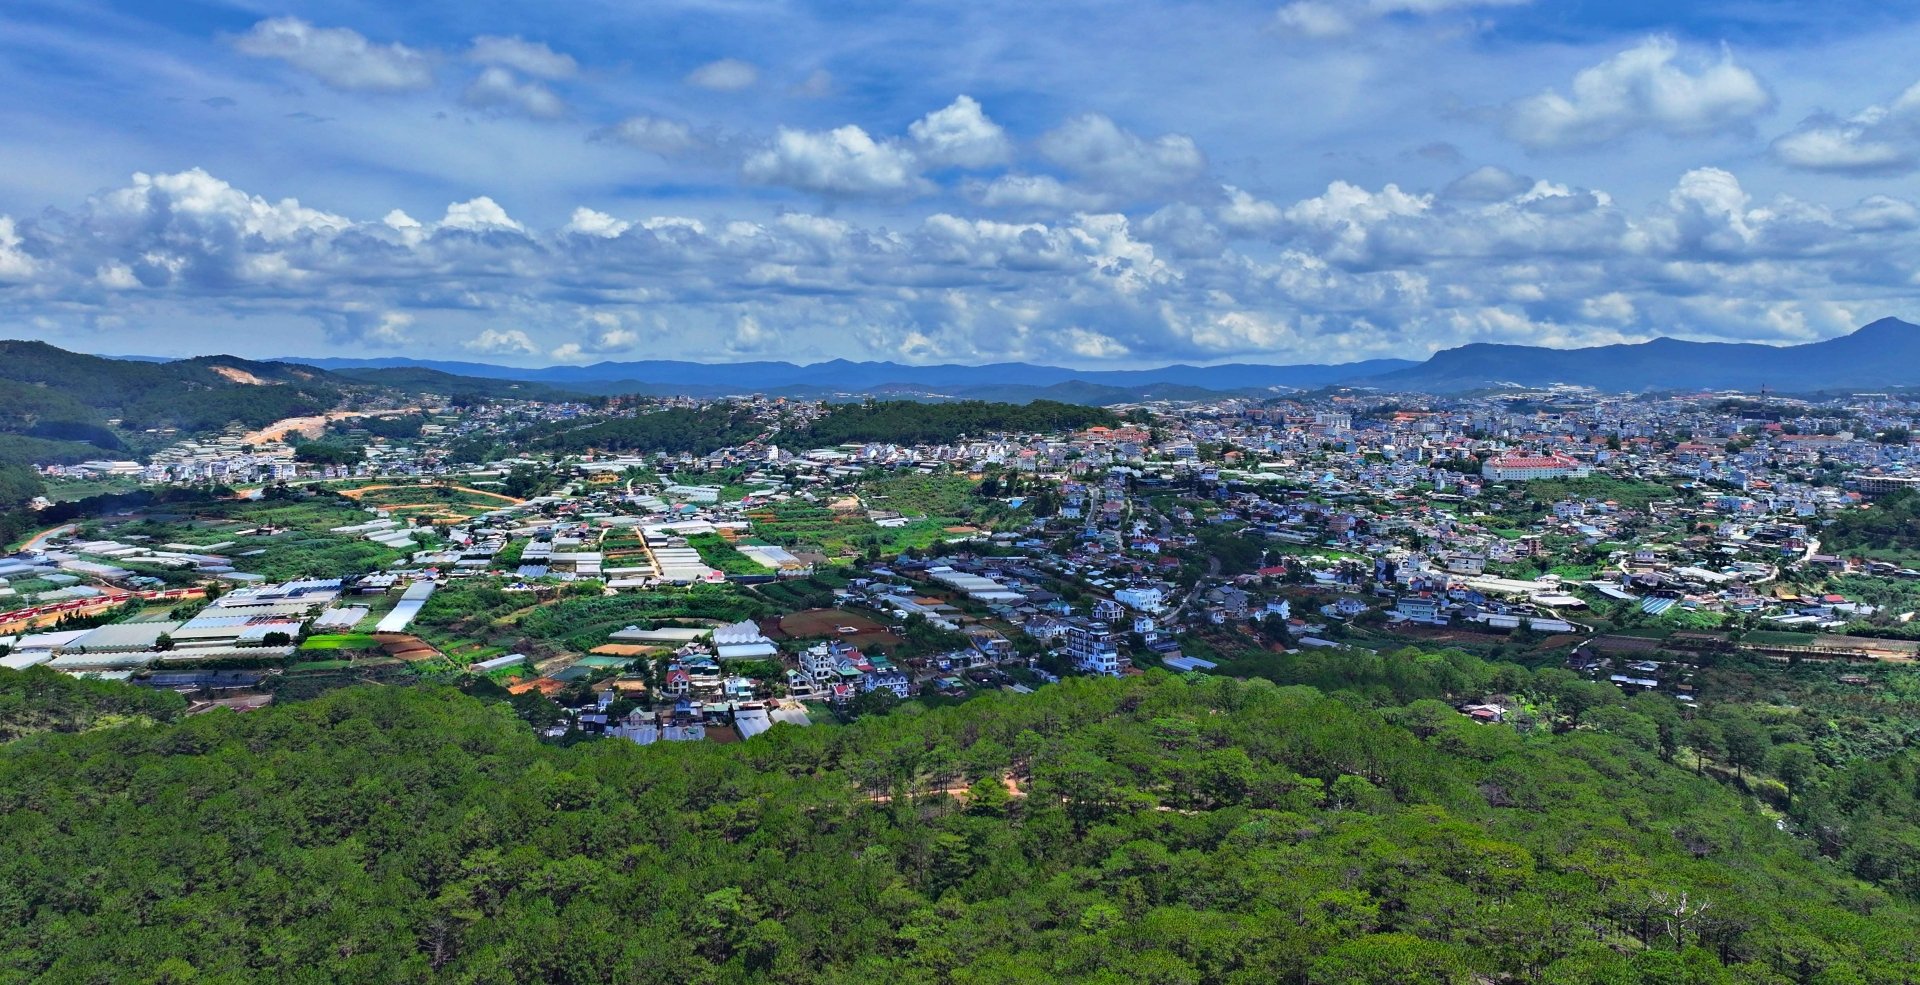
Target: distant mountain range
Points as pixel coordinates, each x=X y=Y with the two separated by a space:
x=1021 y=381
x=1885 y=353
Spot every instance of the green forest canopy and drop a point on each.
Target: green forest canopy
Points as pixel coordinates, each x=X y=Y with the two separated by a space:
x=1891 y=524
x=1161 y=831
x=910 y=422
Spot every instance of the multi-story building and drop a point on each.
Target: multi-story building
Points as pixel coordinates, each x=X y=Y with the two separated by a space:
x=1095 y=648
x=1515 y=467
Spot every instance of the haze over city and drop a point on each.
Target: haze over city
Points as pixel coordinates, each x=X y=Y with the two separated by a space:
x=1088 y=185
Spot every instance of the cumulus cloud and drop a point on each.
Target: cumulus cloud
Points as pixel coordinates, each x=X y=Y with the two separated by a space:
x=587 y=222
x=1353 y=272
x=653 y=134
x=1881 y=213
x=1099 y=150
x=606 y=334
x=339 y=57
x=725 y=75
x=15 y=264
x=1245 y=215
x=1035 y=191
x=390 y=331
x=1645 y=88
x=479 y=215
x=1881 y=139
x=961 y=136
x=843 y=161
x=1338 y=18
x=498 y=89
x=526 y=57
x=364 y=326
x=502 y=342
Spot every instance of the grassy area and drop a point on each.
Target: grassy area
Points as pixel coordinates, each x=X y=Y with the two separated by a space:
x=933 y=503
x=320 y=665
x=1694 y=618
x=441 y=501
x=70 y=490
x=926 y=495
x=475 y=620
x=1630 y=494
x=340 y=641
x=718 y=552
x=1769 y=637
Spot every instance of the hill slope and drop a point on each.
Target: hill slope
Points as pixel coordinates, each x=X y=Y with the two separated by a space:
x=1158 y=831
x=48 y=394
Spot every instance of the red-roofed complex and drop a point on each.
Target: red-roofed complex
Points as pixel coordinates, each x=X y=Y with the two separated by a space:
x=1513 y=466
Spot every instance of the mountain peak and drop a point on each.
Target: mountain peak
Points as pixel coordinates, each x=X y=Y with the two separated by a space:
x=1886 y=326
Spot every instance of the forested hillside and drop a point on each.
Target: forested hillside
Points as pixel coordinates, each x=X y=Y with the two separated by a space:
x=190 y=394
x=1891 y=526
x=672 y=430
x=908 y=422
x=1148 y=830
x=42 y=700
x=56 y=406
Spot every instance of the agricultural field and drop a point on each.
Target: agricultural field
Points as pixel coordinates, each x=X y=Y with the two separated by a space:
x=438 y=503
x=341 y=641
x=720 y=553
x=794 y=594
x=280 y=539
x=843 y=536
x=474 y=621
x=820 y=624
x=72 y=490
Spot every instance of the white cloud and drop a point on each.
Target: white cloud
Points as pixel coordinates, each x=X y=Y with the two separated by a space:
x=725 y=75
x=1017 y=191
x=1341 y=218
x=498 y=89
x=653 y=134
x=1245 y=215
x=587 y=222
x=1643 y=88
x=1881 y=213
x=526 y=57
x=338 y=56
x=1568 y=263
x=1612 y=307
x=479 y=215
x=1338 y=18
x=502 y=342
x=1096 y=148
x=391 y=330
x=607 y=334
x=1881 y=139
x=961 y=136
x=843 y=161
x=196 y=194
x=15 y=264
x=1092 y=345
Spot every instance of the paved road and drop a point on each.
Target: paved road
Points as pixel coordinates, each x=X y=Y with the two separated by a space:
x=34 y=543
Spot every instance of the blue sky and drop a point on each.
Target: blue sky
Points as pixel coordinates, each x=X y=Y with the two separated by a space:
x=1081 y=183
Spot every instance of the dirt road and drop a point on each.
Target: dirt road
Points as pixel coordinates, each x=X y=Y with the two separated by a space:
x=315 y=425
